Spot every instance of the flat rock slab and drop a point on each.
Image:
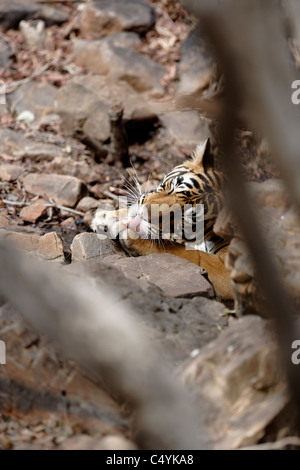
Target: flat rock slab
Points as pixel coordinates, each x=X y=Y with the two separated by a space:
x=64 y=190
x=176 y=326
x=16 y=146
x=175 y=276
x=105 y=17
x=33 y=96
x=48 y=247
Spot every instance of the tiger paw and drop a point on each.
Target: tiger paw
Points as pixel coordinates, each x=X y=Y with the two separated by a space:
x=108 y=223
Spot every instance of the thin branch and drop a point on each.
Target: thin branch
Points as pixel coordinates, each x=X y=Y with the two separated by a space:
x=110 y=195
x=64 y=208
x=51 y=204
x=16 y=203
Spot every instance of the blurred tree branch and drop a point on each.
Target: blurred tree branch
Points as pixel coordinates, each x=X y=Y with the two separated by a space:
x=248 y=38
x=105 y=339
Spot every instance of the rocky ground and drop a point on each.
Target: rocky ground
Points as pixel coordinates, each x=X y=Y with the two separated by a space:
x=61 y=79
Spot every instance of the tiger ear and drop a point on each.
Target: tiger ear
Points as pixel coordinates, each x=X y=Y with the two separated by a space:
x=203 y=157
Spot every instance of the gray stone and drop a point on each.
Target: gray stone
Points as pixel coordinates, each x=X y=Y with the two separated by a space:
x=175 y=276
x=17 y=146
x=33 y=212
x=88 y=203
x=176 y=326
x=48 y=247
x=113 y=58
x=33 y=96
x=103 y=17
x=10 y=172
x=78 y=113
x=14 y=11
x=197 y=66
x=97 y=96
x=64 y=190
x=186 y=127
x=6 y=54
x=239 y=378
x=90 y=245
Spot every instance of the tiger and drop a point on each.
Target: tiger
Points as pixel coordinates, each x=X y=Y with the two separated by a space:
x=190 y=185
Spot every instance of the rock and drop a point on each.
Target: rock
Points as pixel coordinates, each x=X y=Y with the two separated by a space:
x=136 y=106
x=97 y=97
x=89 y=245
x=239 y=378
x=196 y=69
x=175 y=276
x=33 y=212
x=81 y=169
x=102 y=17
x=10 y=172
x=51 y=15
x=15 y=145
x=12 y=12
x=6 y=54
x=69 y=224
x=97 y=127
x=34 y=97
x=64 y=190
x=113 y=58
x=84 y=442
x=48 y=247
x=4 y=222
x=187 y=127
x=77 y=114
x=88 y=203
x=176 y=326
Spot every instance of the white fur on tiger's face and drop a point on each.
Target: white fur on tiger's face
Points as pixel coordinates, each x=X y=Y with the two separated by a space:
x=189 y=198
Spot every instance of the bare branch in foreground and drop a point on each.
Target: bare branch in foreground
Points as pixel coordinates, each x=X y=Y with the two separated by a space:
x=103 y=337
x=248 y=39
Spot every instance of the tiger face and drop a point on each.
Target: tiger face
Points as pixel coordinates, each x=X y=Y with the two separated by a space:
x=190 y=196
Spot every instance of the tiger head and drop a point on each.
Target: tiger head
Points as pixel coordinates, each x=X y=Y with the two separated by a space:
x=189 y=196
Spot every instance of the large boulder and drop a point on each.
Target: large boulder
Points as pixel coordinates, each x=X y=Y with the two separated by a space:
x=239 y=379
x=113 y=57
